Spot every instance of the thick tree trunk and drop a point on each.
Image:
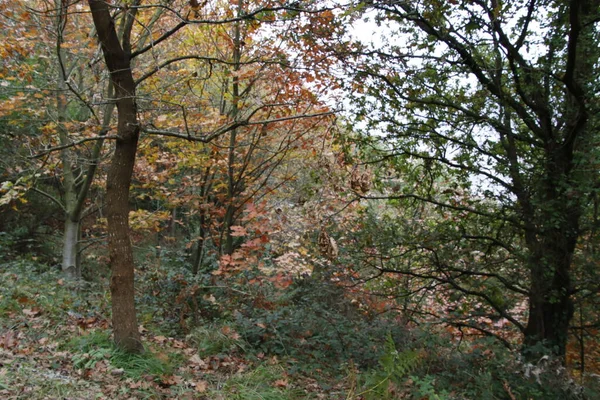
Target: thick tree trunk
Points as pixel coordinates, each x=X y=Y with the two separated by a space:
x=550 y=304
x=550 y=310
x=117 y=57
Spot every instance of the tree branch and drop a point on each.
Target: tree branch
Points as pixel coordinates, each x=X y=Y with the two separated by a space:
x=72 y=144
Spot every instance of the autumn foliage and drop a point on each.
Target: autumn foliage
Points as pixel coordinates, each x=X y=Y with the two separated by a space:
x=253 y=199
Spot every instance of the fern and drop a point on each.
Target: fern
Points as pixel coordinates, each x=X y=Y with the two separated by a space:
x=393 y=366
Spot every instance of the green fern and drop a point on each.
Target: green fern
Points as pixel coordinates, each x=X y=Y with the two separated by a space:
x=393 y=366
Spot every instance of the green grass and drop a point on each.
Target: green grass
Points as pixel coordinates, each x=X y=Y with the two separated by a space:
x=264 y=382
x=97 y=346
x=211 y=340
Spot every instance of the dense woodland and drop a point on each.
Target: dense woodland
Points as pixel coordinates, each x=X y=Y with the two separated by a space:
x=321 y=199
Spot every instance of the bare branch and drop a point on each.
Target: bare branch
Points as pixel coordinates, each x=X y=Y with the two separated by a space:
x=205 y=138
x=72 y=144
x=49 y=196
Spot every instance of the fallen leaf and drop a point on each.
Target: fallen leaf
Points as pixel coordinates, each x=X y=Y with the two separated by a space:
x=195 y=359
x=34 y=312
x=201 y=386
x=281 y=383
x=160 y=339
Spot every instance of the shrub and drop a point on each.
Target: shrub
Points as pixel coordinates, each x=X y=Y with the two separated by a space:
x=316 y=325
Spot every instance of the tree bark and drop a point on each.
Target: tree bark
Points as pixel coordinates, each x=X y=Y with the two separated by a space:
x=550 y=304
x=232 y=182
x=118 y=62
x=71 y=248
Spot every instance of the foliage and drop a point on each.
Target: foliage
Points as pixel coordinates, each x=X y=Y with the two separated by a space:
x=393 y=367
x=315 y=325
x=494 y=163
x=96 y=346
x=432 y=365
x=279 y=250
x=216 y=339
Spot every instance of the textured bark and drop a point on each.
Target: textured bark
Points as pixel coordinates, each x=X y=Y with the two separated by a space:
x=118 y=61
x=561 y=196
x=550 y=304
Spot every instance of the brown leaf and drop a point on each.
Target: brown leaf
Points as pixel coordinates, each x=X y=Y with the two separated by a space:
x=201 y=386
x=31 y=312
x=237 y=231
x=281 y=383
x=24 y=300
x=196 y=360
x=160 y=339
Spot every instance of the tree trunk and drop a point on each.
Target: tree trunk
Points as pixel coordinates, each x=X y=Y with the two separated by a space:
x=550 y=304
x=71 y=248
x=71 y=228
x=550 y=310
x=199 y=247
x=126 y=334
x=118 y=62
x=75 y=189
x=232 y=191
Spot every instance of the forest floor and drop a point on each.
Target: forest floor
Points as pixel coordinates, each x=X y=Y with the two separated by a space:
x=305 y=340
x=55 y=343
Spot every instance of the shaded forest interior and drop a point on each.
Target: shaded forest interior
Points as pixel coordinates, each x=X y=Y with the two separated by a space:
x=271 y=199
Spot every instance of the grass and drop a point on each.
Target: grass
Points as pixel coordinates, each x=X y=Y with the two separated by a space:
x=97 y=346
x=214 y=338
x=265 y=382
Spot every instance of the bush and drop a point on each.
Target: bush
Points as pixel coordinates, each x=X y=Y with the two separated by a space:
x=316 y=325
x=481 y=369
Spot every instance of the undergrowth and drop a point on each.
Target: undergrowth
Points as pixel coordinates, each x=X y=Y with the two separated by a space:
x=248 y=337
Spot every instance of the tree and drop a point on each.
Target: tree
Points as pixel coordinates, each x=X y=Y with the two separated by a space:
x=495 y=101
x=59 y=171
x=117 y=55
x=78 y=172
x=120 y=50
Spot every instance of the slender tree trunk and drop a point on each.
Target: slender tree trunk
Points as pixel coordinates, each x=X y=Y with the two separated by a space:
x=199 y=247
x=118 y=62
x=70 y=247
x=71 y=227
x=207 y=179
x=75 y=190
x=232 y=182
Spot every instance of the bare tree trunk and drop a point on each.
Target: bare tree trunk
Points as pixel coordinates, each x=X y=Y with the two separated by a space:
x=70 y=248
x=118 y=62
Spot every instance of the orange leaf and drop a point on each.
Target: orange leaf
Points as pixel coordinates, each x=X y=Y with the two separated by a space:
x=237 y=231
x=281 y=383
